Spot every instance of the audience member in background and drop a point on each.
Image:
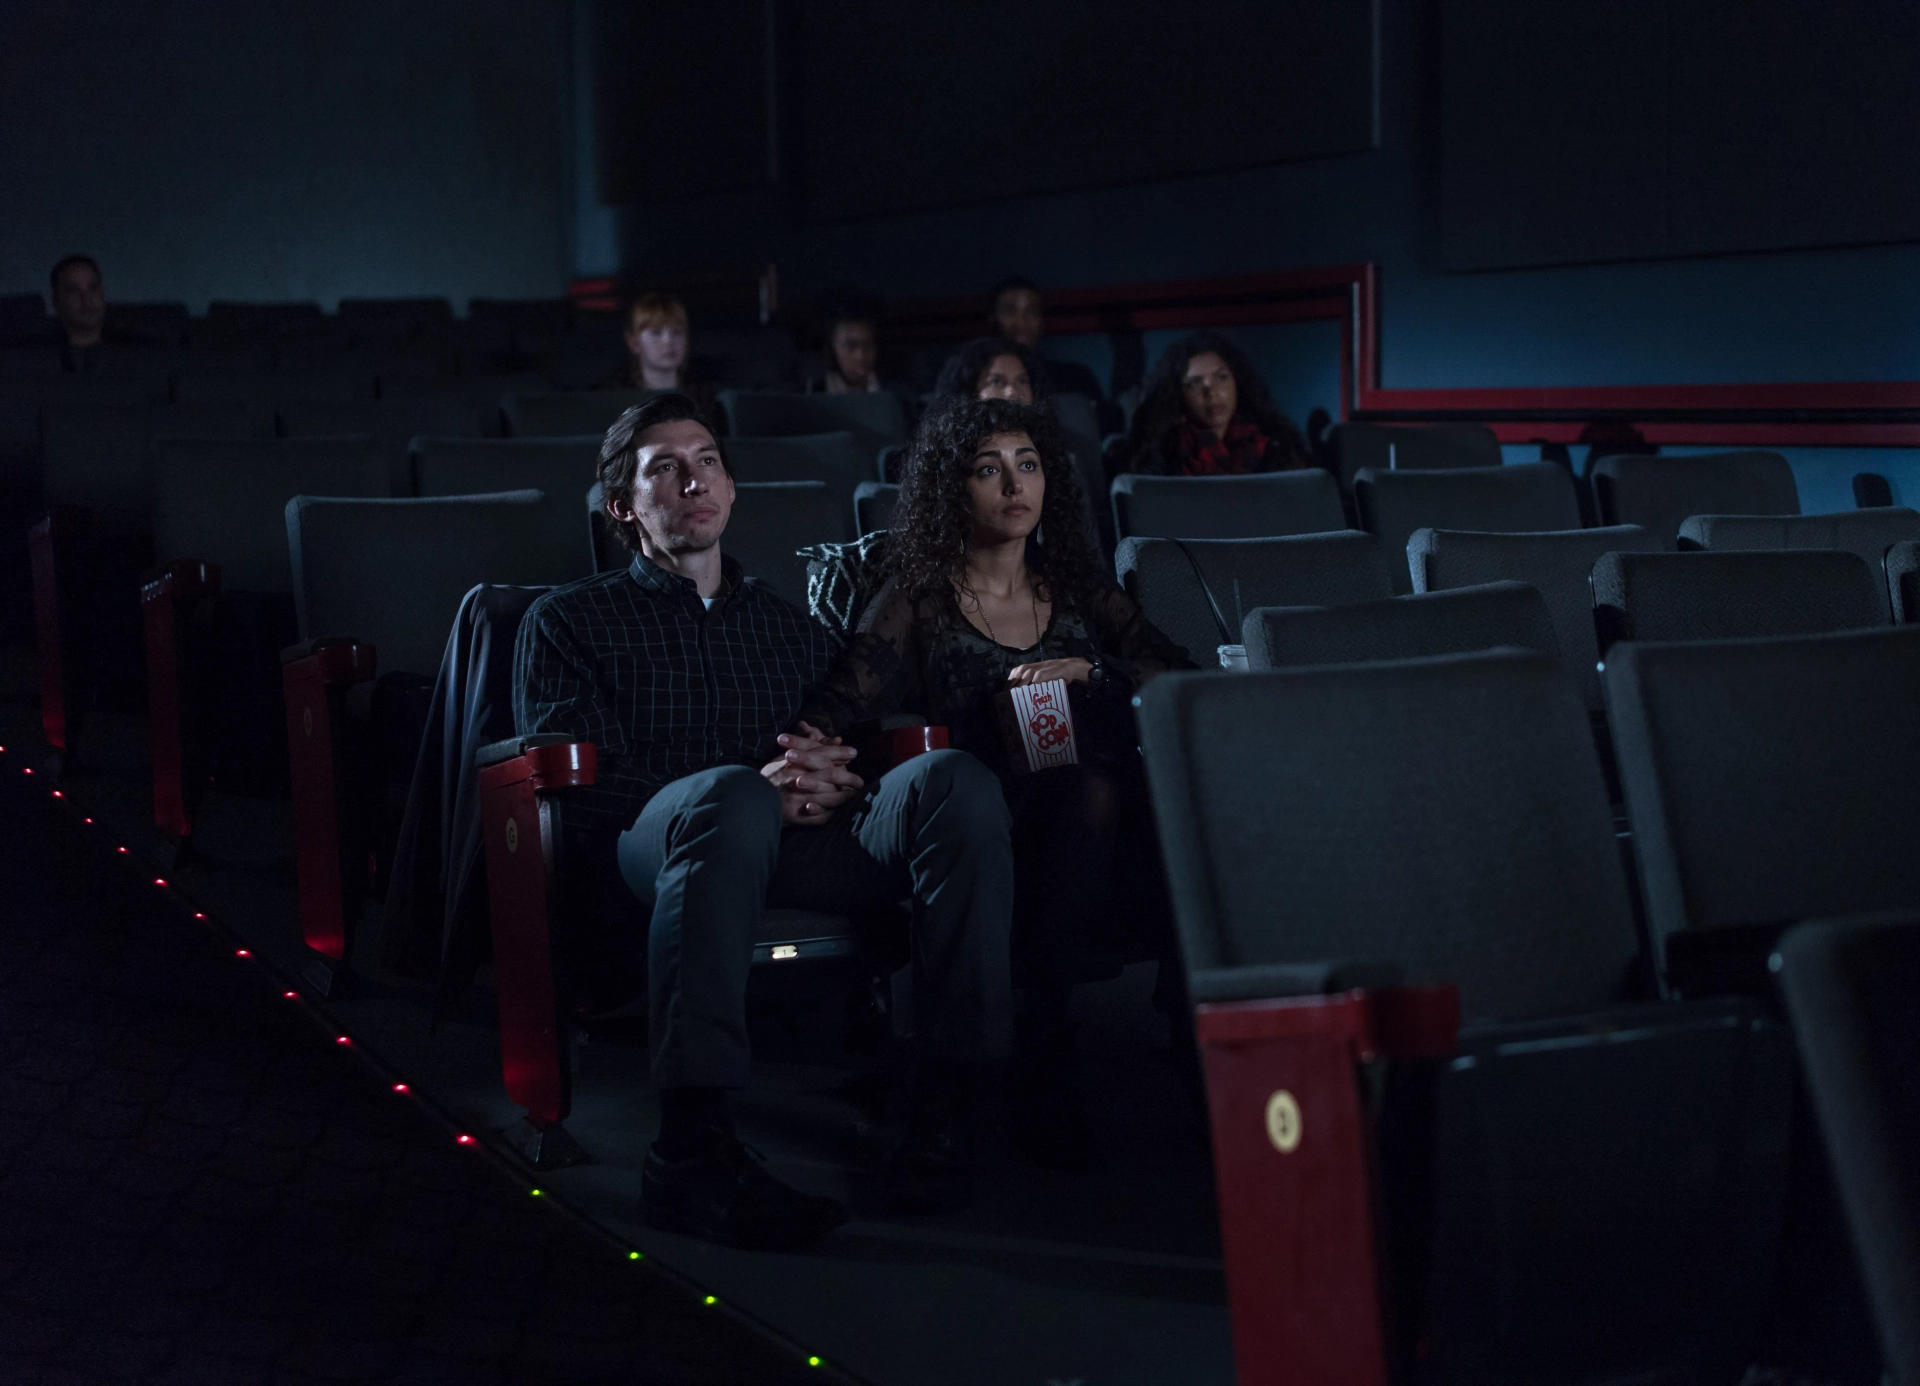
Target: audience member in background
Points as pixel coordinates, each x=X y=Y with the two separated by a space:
x=994 y=368
x=1018 y=315
x=685 y=673
x=1206 y=412
x=80 y=314
x=851 y=350
x=992 y=581
x=657 y=340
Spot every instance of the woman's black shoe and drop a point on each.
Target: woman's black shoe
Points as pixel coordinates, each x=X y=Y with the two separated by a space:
x=932 y=1171
x=725 y=1195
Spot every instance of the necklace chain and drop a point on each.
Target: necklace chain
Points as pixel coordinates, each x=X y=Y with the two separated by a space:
x=1032 y=597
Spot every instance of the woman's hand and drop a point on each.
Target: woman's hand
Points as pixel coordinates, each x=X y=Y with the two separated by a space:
x=1071 y=670
x=812 y=776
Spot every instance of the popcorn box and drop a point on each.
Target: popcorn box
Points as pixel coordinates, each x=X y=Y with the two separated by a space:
x=1037 y=724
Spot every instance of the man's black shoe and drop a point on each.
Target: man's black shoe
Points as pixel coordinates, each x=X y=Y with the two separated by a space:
x=725 y=1195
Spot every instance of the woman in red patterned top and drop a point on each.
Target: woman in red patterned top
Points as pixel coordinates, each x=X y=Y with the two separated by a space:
x=1206 y=412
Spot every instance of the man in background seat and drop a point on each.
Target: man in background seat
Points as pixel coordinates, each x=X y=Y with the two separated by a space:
x=1018 y=315
x=80 y=314
x=684 y=672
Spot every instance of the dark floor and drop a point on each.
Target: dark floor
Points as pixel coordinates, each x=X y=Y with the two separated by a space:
x=197 y=1185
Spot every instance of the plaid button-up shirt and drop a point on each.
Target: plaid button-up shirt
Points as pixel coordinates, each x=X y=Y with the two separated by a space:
x=662 y=685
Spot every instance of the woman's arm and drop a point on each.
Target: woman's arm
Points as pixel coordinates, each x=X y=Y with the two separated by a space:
x=874 y=675
x=1131 y=645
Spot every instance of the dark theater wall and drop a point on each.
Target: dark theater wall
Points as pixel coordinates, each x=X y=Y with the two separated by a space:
x=1818 y=314
x=282 y=150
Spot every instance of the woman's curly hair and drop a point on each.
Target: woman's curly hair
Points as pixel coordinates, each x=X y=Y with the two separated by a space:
x=962 y=371
x=1164 y=403
x=927 y=548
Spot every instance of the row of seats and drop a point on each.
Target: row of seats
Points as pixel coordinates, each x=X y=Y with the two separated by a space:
x=1607 y=1162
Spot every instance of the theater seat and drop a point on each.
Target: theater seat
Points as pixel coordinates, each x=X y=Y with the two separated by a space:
x=1853 y=990
x=1397 y=447
x=837 y=458
x=95 y=543
x=1869 y=533
x=568 y=413
x=376 y=584
x=772 y=521
x=1449 y=1146
x=1767 y=781
x=1497 y=614
x=391 y=423
x=1723 y=596
x=877 y=418
x=1558 y=564
x=1199 y=591
x=219 y=607
x=556 y=467
x=1267 y=505
x=1520 y=499
x=873 y=505
x=1658 y=493
x=1903 y=581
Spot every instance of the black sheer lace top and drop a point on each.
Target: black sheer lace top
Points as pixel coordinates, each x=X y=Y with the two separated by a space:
x=921 y=655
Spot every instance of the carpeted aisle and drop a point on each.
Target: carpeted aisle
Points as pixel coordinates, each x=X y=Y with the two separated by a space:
x=197 y=1185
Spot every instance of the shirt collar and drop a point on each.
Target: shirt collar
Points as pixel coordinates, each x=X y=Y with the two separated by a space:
x=653 y=577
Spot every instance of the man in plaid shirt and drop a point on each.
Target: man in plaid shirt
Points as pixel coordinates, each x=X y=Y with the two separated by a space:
x=688 y=675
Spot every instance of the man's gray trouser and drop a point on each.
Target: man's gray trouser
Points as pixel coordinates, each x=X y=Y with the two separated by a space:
x=709 y=851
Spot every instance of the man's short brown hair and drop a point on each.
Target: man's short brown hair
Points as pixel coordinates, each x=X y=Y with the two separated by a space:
x=620 y=452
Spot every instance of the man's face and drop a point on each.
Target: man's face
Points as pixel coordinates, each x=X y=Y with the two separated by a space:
x=1016 y=313
x=853 y=352
x=80 y=300
x=682 y=494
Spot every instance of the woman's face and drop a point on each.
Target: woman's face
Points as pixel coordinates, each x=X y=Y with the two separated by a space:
x=1007 y=486
x=1210 y=392
x=662 y=347
x=1005 y=378
x=853 y=352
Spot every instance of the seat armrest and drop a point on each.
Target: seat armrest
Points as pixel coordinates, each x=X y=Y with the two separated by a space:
x=182 y=581
x=1321 y=977
x=551 y=761
x=336 y=660
x=1393 y=1022
x=1727 y=961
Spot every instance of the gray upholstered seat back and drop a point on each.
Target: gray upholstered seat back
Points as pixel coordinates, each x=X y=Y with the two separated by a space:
x=1519 y=499
x=568 y=413
x=836 y=458
x=1850 y=986
x=1869 y=533
x=557 y=467
x=1658 y=493
x=1903 y=581
x=1497 y=615
x=1558 y=564
x=393 y=572
x=772 y=520
x=1392 y=447
x=1731 y=596
x=875 y=417
x=1447 y=814
x=1298 y=570
x=1771 y=780
x=226 y=502
x=1265 y=505
x=873 y=506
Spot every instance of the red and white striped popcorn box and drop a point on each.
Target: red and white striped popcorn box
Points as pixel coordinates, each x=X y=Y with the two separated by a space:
x=1038 y=726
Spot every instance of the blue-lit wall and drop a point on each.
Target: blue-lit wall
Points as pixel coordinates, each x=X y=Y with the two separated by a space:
x=275 y=150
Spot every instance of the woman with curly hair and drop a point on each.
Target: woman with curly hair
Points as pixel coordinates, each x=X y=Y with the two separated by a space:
x=993 y=368
x=992 y=581
x=1206 y=412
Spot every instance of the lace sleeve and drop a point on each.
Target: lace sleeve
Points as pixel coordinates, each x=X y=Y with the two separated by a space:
x=876 y=674
x=1129 y=640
